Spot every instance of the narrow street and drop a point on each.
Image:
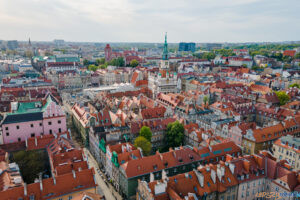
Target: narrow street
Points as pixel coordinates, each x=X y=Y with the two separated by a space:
x=105 y=189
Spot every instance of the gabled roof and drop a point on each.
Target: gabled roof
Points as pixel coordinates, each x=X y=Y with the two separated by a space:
x=63 y=184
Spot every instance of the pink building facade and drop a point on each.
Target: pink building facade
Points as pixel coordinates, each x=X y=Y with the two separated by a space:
x=235 y=135
x=47 y=119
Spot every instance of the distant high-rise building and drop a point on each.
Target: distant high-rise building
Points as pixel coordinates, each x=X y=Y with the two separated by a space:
x=212 y=46
x=184 y=46
x=12 y=44
x=59 y=42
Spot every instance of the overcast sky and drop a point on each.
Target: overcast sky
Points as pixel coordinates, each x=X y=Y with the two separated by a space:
x=147 y=20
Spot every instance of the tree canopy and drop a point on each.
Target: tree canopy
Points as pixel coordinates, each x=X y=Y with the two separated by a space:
x=119 y=62
x=174 y=134
x=205 y=100
x=297 y=56
x=295 y=85
x=144 y=144
x=100 y=61
x=32 y=163
x=283 y=97
x=206 y=55
x=146 y=133
x=92 y=68
x=85 y=62
x=134 y=63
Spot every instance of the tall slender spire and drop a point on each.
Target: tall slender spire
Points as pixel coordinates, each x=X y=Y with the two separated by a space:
x=29 y=42
x=165 y=55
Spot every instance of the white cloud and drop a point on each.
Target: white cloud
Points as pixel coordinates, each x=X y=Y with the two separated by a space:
x=146 y=21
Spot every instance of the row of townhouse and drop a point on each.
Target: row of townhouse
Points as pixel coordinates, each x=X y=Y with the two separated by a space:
x=258 y=176
x=124 y=164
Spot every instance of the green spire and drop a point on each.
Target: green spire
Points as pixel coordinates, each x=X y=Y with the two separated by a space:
x=165 y=52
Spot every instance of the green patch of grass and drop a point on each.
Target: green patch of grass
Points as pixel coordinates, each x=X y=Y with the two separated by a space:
x=32 y=164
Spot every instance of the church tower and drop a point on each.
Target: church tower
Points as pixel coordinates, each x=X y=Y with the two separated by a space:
x=164 y=63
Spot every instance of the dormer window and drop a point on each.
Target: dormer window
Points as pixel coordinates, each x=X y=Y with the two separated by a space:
x=166 y=164
x=191 y=157
x=155 y=167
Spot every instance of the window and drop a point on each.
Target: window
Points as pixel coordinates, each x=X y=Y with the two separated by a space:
x=32 y=135
x=49 y=123
x=17 y=127
x=70 y=197
x=40 y=124
x=6 y=128
x=50 y=131
x=31 y=125
x=19 y=139
x=7 y=133
x=59 y=121
x=59 y=130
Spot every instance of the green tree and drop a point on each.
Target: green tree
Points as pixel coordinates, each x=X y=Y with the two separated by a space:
x=32 y=163
x=85 y=62
x=205 y=99
x=134 y=63
x=92 y=68
x=283 y=97
x=295 y=85
x=224 y=52
x=28 y=54
x=144 y=144
x=174 y=134
x=104 y=66
x=100 y=61
x=121 y=61
x=146 y=133
x=297 y=56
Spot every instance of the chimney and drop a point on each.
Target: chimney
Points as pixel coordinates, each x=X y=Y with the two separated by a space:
x=25 y=189
x=163 y=175
x=200 y=177
x=219 y=174
x=222 y=171
x=41 y=182
x=151 y=177
x=231 y=167
x=141 y=151
x=213 y=175
x=54 y=180
x=74 y=173
x=26 y=142
x=35 y=141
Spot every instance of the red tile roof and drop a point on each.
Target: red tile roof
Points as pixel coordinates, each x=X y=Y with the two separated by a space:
x=289 y=53
x=151 y=113
x=64 y=184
